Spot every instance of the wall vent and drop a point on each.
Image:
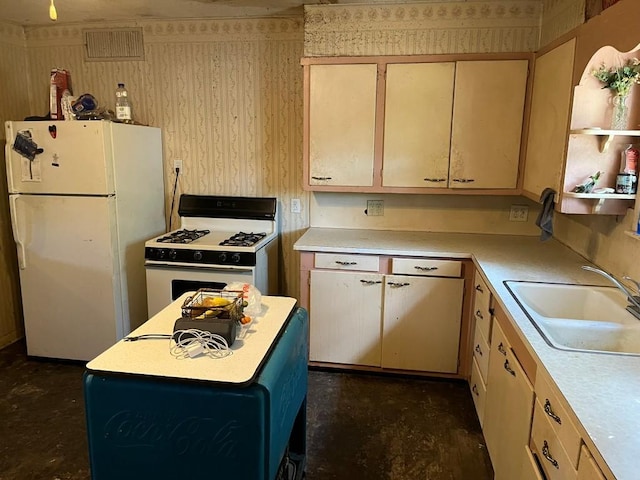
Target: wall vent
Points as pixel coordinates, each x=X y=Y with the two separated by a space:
x=113 y=44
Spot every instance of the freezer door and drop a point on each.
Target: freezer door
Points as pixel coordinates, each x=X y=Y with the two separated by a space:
x=68 y=157
x=70 y=285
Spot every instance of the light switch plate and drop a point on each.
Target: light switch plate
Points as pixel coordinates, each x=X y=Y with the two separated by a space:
x=375 y=208
x=296 y=206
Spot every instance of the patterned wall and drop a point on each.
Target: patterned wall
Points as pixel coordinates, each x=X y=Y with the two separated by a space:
x=559 y=17
x=227 y=95
x=13 y=104
x=422 y=28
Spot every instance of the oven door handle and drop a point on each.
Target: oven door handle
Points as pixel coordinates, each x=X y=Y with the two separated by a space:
x=201 y=267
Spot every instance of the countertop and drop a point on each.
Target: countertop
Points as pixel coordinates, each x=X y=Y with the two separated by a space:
x=603 y=390
x=152 y=357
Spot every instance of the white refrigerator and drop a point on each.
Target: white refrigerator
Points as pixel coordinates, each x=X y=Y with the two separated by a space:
x=84 y=196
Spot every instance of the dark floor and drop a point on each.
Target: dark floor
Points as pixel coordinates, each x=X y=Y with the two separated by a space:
x=359 y=426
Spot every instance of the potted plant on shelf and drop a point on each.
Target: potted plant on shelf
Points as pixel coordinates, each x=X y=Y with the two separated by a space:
x=619 y=80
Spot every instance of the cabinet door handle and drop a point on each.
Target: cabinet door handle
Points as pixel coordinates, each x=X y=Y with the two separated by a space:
x=549 y=411
x=425 y=269
x=478 y=349
x=547 y=455
x=346 y=263
x=501 y=349
x=370 y=282
x=479 y=288
x=474 y=389
x=398 y=284
x=479 y=314
x=321 y=178
x=464 y=180
x=508 y=368
x=435 y=179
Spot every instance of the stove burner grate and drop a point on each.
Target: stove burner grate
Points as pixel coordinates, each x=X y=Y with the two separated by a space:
x=183 y=236
x=242 y=239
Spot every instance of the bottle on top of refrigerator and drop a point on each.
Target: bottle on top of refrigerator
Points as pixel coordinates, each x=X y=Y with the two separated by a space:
x=123 y=106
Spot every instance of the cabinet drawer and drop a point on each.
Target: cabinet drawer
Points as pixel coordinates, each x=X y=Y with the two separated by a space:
x=530 y=468
x=481 y=306
x=588 y=469
x=337 y=261
x=422 y=266
x=481 y=353
x=553 y=458
x=561 y=423
x=478 y=391
x=482 y=294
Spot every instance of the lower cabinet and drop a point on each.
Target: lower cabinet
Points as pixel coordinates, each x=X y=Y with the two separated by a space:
x=508 y=406
x=407 y=320
x=421 y=323
x=345 y=310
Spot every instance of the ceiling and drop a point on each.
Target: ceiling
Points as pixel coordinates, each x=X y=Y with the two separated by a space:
x=36 y=12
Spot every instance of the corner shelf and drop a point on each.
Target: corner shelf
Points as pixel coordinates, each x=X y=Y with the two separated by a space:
x=600 y=197
x=608 y=135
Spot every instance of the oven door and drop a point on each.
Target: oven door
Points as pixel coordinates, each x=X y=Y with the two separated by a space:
x=166 y=282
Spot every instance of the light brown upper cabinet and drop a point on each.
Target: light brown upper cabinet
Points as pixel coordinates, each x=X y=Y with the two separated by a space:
x=569 y=130
x=342 y=112
x=487 y=123
x=419 y=124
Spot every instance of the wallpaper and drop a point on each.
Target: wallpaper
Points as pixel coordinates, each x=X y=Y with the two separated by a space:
x=422 y=28
x=13 y=104
x=559 y=17
x=227 y=95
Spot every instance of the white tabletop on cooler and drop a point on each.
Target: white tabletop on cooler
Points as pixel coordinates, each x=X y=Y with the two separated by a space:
x=153 y=358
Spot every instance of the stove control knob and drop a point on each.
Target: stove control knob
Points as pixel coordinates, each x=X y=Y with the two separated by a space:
x=222 y=257
x=197 y=256
x=235 y=258
x=162 y=253
x=173 y=254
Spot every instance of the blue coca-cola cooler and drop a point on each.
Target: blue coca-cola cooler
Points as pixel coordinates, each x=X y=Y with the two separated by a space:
x=149 y=426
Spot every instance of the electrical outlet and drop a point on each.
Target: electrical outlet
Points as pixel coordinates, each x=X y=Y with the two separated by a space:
x=375 y=208
x=296 y=206
x=519 y=213
x=177 y=164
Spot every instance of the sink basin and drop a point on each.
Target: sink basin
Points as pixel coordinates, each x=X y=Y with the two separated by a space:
x=579 y=317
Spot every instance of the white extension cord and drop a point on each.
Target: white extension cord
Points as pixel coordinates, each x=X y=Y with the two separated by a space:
x=193 y=343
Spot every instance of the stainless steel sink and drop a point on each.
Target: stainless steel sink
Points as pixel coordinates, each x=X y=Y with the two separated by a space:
x=579 y=317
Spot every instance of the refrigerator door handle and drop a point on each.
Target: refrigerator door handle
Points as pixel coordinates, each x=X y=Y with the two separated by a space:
x=16 y=233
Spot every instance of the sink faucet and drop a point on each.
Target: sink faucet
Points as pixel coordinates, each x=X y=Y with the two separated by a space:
x=634 y=308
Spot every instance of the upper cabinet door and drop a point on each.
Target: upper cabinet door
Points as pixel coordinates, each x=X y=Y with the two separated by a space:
x=342 y=115
x=487 y=123
x=549 y=119
x=417 y=126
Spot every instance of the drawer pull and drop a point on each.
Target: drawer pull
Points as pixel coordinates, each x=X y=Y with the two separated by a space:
x=479 y=288
x=508 y=368
x=435 y=179
x=464 y=180
x=346 y=263
x=548 y=411
x=547 y=455
x=474 y=389
x=320 y=178
x=425 y=269
x=398 y=284
x=478 y=349
x=501 y=349
x=370 y=282
x=479 y=314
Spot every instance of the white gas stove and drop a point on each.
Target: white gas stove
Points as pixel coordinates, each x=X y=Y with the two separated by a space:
x=221 y=240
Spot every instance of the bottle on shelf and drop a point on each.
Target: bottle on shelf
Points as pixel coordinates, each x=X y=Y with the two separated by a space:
x=627 y=181
x=123 y=104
